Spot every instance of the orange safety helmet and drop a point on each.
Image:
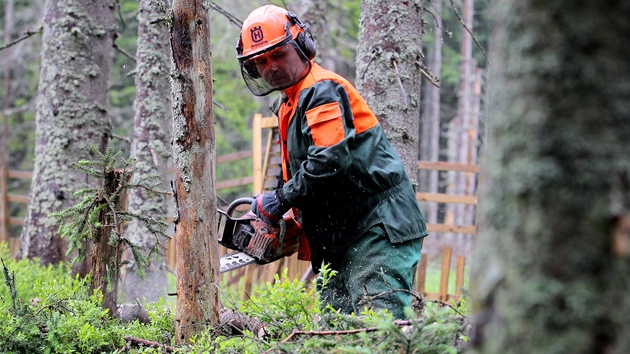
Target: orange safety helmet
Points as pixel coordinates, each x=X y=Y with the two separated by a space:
x=265 y=29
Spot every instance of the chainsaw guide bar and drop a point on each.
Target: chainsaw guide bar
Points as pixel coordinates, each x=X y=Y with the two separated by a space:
x=234 y=261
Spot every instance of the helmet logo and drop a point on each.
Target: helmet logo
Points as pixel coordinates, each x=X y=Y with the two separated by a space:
x=257 y=34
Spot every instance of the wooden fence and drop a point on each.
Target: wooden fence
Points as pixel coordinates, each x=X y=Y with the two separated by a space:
x=265 y=159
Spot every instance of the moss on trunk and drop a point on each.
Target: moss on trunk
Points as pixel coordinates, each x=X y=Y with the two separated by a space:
x=150 y=147
x=388 y=72
x=71 y=114
x=555 y=181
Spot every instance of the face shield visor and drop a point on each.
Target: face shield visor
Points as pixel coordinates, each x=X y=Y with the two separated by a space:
x=276 y=68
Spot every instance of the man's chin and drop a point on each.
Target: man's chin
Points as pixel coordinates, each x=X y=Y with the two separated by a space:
x=278 y=83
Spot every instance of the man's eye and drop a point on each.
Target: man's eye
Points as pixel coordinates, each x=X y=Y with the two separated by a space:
x=261 y=61
x=278 y=55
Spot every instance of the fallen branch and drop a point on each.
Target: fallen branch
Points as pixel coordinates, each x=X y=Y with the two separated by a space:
x=295 y=333
x=147 y=343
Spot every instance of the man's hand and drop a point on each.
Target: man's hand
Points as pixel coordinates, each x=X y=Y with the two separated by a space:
x=270 y=206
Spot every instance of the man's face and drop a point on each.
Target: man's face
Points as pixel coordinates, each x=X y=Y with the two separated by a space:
x=281 y=67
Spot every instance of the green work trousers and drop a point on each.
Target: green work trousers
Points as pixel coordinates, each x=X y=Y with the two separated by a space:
x=373 y=273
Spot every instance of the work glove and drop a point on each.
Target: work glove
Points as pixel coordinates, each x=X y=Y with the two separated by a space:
x=270 y=206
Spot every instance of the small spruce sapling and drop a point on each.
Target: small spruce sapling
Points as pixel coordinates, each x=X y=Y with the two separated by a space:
x=100 y=218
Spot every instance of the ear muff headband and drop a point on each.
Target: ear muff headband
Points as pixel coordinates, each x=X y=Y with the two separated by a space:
x=305 y=38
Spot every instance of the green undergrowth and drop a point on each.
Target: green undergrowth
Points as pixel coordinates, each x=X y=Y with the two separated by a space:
x=45 y=310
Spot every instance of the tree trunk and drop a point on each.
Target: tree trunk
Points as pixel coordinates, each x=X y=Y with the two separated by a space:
x=4 y=143
x=71 y=114
x=194 y=154
x=388 y=72
x=314 y=13
x=550 y=272
x=431 y=132
x=105 y=268
x=460 y=128
x=150 y=147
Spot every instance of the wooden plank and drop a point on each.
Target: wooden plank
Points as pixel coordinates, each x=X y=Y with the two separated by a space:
x=276 y=268
x=273 y=172
x=20 y=174
x=455 y=229
x=448 y=166
x=249 y=280
x=446 y=198
x=235 y=156
x=422 y=274
x=267 y=148
x=296 y=268
x=440 y=298
x=18 y=198
x=243 y=181
x=445 y=272
x=234 y=277
x=257 y=152
x=268 y=122
x=459 y=274
x=16 y=221
x=14 y=246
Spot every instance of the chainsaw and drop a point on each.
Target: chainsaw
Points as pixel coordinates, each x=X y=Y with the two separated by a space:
x=254 y=240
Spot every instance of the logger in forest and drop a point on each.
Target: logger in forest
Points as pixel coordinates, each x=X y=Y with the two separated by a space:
x=341 y=175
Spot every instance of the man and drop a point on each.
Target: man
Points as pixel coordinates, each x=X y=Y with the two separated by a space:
x=348 y=184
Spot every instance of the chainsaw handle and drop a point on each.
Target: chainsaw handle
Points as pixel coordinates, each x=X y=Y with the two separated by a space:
x=234 y=233
x=238 y=202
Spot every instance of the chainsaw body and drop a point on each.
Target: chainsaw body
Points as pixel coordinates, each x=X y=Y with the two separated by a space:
x=254 y=237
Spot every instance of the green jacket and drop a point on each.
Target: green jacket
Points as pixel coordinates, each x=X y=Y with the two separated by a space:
x=340 y=171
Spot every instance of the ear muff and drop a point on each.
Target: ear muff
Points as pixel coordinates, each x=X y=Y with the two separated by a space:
x=305 y=39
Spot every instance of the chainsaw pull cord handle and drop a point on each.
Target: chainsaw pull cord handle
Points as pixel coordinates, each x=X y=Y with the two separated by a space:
x=283 y=229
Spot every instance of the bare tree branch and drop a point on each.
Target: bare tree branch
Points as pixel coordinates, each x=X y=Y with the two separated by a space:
x=233 y=19
x=25 y=36
x=295 y=333
x=461 y=20
x=429 y=75
x=435 y=14
x=122 y=51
